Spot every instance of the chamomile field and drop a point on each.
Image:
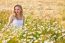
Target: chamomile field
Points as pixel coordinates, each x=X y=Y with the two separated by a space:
x=44 y=22
x=35 y=30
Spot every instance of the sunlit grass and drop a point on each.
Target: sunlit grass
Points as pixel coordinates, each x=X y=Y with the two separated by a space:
x=35 y=30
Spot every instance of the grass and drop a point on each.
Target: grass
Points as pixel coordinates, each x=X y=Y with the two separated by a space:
x=35 y=30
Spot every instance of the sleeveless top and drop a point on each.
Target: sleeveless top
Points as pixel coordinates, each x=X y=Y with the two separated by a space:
x=17 y=23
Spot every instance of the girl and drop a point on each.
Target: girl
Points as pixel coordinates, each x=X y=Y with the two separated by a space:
x=17 y=19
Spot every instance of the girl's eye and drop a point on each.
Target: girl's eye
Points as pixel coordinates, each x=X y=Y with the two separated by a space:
x=17 y=9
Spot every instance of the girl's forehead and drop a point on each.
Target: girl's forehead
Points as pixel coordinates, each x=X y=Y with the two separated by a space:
x=17 y=7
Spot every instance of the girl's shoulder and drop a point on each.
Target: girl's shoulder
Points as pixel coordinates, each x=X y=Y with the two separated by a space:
x=12 y=17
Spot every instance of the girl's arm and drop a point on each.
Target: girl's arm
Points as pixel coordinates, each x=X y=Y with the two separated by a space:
x=8 y=24
x=23 y=20
x=10 y=20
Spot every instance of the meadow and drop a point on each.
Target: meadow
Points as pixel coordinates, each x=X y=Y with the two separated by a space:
x=35 y=30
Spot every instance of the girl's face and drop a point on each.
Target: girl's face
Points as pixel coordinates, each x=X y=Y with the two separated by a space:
x=17 y=10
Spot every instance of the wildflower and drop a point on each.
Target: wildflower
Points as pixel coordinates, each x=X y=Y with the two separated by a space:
x=47 y=41
x=4 y=41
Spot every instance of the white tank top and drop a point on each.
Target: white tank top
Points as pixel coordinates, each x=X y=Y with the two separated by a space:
x=17 y=23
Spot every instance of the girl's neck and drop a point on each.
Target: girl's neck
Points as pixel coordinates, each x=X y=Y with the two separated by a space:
x=19 y=17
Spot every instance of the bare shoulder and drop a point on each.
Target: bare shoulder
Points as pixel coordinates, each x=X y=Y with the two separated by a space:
x=11 y=17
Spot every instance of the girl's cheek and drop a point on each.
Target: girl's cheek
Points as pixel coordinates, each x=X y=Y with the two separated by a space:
x=19 y=11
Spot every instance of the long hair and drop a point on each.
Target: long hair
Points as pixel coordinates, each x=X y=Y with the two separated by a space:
x=21 y=12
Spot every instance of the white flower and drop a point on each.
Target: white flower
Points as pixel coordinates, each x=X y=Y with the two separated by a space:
x=48 y=29
x=63 y=30
x=55 y=31
x=30 y=33
x=8 y=39
x=30 y=36
x=28 y=40
x=25 y=24
x=24 y=39
x=42 y=26
x=4 y=41
x=11 y=37
x=63 y=34
x=54 y=23
x=47 y=41
x=36 y=41
x=39 y=32
x=24 y=35
x=34 y=38
x=39 y=39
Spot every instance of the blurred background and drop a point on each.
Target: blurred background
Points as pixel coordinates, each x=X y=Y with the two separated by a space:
x=51 y=8
x=44 y=18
